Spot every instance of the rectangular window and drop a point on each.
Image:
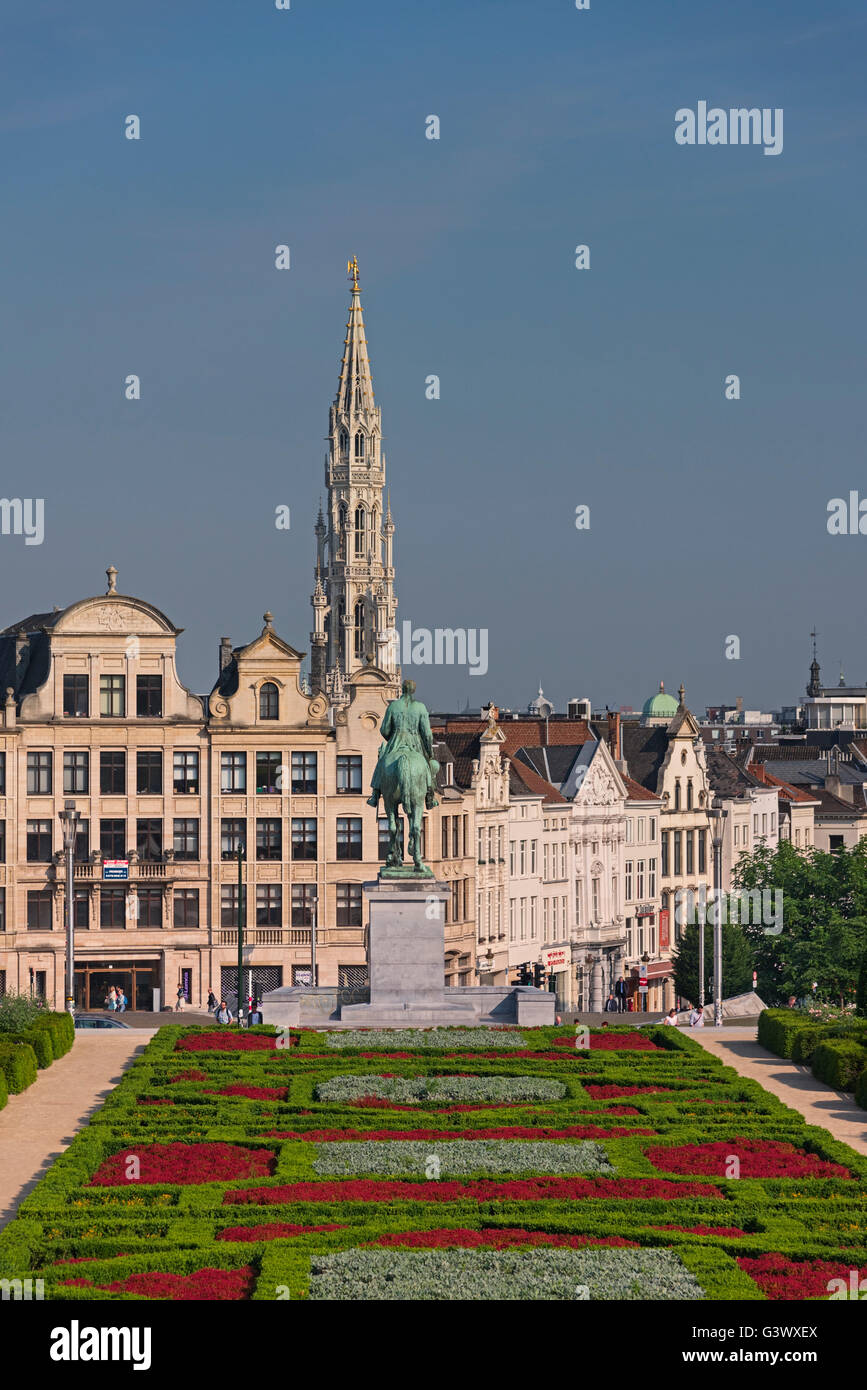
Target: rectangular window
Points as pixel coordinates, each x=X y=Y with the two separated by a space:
x=304 y=779
x=81 y=848
x=641 y=830
x=512 y=858
x=2 y=774
x=233 y=772
x=629 y=830
x=651 y=878
x=149 y=837
x=755 y=825
x=232 y=834
x=348 y=837
x=563 y=848
x=545 y=861
x=76 y=771
x=737 y=834
x=39 y=847
x=444 y=837
x=303 y=902
x=702 y=851
x=39 y=909
x=149 y=772
x=269 y=905
x=764 y=823
x=349 y=773
x=639 y=879
x=39 y=774
x=148 y=697
x=185 y=840
x=112 y=908
x=112 y=839
x=186 y=907
x=533 y=853
x=627 y=880
x=269 y=838
x=112 y=697
x=349 y=905
x=773 y=822
x=186 y=773
x=511 y=919
x=149 y=907
x=229 y=905
x=653 y=830
x=676 y=834
x=304 y=837
x=663 y=846
x=2 y=842
x=76 y=700
x=268 y=773
x=690 y=851
x=112 y=772
x=81 y=909
x=578 y=903
x=595 y=897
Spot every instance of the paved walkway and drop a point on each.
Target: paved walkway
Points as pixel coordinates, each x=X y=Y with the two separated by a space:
x=36 y=1126
x=794 y=1085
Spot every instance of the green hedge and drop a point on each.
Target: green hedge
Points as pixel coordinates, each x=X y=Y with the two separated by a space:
x=4 y=1089
x=40 y=1040
x=779 y=1028
x=861 y=1090
x=839 y=1062
x=18 y=1064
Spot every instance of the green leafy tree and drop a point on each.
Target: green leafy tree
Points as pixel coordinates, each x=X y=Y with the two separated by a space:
x=737 y=962
x=824 y=935
x=861 y=996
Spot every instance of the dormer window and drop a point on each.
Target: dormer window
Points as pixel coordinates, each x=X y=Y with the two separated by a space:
x=269 y=701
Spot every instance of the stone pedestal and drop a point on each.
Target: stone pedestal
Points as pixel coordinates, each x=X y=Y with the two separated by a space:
x=406 y=955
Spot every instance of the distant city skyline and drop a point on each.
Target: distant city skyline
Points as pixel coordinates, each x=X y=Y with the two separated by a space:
x=601 y=387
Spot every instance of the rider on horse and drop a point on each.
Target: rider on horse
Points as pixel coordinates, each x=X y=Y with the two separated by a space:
x=406 y=728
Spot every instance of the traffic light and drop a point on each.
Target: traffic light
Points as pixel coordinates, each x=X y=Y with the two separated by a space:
x=524 y=976
x=538 y=974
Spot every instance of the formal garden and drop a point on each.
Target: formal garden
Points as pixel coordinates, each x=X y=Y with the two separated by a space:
x=441 y=1164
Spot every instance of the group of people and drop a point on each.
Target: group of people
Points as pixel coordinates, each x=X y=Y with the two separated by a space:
x=696 y=1017
x=619 y=999
x=223 y=1014
x=116 y=1001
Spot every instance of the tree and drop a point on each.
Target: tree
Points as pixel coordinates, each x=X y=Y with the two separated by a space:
x=824 y=935
x=861 y=996
x=737 y=962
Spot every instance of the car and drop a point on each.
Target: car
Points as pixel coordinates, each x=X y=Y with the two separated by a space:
x=98 y=1021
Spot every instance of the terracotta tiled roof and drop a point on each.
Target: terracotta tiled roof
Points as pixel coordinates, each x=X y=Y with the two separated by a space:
x=526 y=779
x=784 y=789
x=637 y=792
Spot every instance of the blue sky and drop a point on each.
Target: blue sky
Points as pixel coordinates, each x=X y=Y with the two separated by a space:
x=559 y=387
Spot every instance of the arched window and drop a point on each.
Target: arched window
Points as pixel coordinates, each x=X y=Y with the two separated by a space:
x=360 y=527
x=359 y=447
x=269 y=701
x=359 y=629
x=341 y=531
x=344 y=447
x=689 y=794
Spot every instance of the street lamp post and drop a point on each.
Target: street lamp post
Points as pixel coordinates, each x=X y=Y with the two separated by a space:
x=240 y=932
x=718 y=819
x=69 y=818
x=702 y=923
x=313 y=925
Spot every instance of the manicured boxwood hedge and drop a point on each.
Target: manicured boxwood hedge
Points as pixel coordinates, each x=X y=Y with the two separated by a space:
x=839 y=1063
x=262 y=1234
x=18 y=1064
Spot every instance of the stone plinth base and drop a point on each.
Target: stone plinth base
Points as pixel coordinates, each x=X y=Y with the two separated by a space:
x=407 y=987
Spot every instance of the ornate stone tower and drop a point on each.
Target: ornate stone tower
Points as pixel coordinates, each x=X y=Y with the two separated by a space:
x=354 y=603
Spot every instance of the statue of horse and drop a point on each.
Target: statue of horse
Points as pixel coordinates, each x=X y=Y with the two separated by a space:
x=404 y=781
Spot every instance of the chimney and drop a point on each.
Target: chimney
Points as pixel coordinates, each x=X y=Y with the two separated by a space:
x=739 y=703
x=225 y=652
x=614 y=734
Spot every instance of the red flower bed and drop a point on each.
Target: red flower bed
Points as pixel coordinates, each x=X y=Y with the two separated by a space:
x=781 y=1278
x=275 y=1231
x=611 y=1042
x=251 y=1092
x=192 y=1075
x=610 y=1092
x=613 y=1113
x=497 y=1240
x=184 y=1163
x=324 y=1136
x=155 y=1100
x=217 y=1285
x=226 y=1042
x=759 y=1158
x=703 y=1230
x=517 y=1190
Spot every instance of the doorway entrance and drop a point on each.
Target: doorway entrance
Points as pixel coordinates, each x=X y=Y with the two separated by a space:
x=137 y=979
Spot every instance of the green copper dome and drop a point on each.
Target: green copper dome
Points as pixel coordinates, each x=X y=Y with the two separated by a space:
x=660 y=706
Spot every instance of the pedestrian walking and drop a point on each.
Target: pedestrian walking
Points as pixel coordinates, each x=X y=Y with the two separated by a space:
x=179 y=1005
x=111 y=1000
x=620 y=992
x=255 y=1015
x=121 y=1002
x=671 y=1018
x=696 y=1018
x=223 y=1015
x=611 y=1005
x=212 y=1001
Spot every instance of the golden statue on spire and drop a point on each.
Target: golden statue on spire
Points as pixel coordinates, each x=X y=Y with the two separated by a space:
x=352 y=269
